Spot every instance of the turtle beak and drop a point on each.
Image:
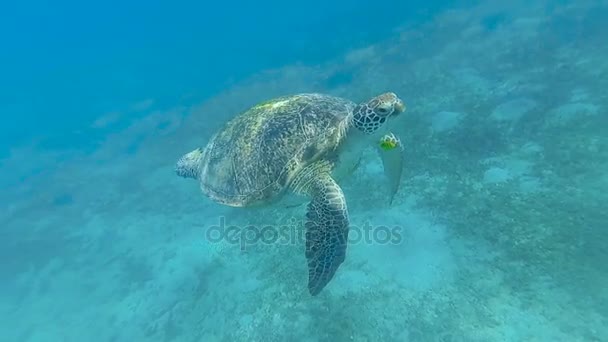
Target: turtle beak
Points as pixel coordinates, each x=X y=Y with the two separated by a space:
x=399 y=107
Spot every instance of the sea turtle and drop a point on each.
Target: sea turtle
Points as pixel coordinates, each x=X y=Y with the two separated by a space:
x=300 y=145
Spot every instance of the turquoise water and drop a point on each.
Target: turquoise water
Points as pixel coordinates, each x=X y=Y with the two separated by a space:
x=500 y=221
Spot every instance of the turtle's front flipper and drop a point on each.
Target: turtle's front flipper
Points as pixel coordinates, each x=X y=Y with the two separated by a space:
x=326 y=225
x=391 y=152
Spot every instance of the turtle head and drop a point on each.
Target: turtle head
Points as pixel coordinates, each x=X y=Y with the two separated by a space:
x=371 y=115
x=189 y=165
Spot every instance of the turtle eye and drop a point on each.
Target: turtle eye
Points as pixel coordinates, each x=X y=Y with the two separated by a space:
x=382 y=110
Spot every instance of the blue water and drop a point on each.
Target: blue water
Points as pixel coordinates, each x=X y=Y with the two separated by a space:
x=500 y=214
x=64 y=64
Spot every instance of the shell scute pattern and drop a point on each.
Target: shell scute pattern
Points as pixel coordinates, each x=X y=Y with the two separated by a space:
x=257 y=153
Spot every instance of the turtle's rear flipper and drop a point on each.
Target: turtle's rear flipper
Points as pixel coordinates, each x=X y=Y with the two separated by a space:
x=391 y=152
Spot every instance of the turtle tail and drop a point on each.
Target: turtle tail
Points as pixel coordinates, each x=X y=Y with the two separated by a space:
x=189 y=165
